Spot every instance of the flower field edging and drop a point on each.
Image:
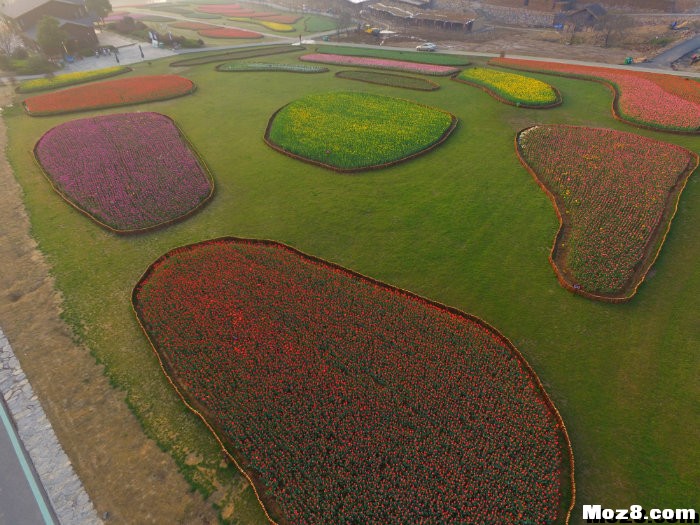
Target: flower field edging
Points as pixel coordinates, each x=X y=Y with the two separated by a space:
x=435 y=143
x=236 y=54
x=109 y=94
x=621 y=82
x=187 y=146
x=656 y=237
x=566 y=472
x=503 y=97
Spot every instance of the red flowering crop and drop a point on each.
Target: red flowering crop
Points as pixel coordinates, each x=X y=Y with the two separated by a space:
x=129 y=172
x=110 y=93
x=647 y=99
x=615 y=193
x=348 y=401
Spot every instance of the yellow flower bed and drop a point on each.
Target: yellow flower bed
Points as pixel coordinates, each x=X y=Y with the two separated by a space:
x=69 y=79
x=273 y=26
x=511 y=87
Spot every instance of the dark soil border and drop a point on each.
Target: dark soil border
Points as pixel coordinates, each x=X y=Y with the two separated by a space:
x=134 y=231
x=558 y=102
x=281 y=68
x=656 y=238
x=616 y=92
x=109 y=106
x=432 y=146
x=432 y=86
x=269 y=506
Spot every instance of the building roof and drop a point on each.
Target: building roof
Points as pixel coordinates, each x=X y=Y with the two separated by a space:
x=17 y=8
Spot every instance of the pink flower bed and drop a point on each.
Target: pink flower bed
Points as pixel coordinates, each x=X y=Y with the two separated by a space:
x=225 y=32
x=649 y=99
x=129 y=172
x=380 y=63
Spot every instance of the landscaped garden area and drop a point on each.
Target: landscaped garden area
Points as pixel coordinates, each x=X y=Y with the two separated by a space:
x=447 y=407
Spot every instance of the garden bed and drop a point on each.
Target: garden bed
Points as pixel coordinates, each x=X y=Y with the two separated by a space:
x=650 y=100
x=510 y=88
x=615 y=194
x=388 y=79
x=343 y=399
x=69 y=79
x=350 y=132
x=108 y=94
x=380 y=63
x=129 y=172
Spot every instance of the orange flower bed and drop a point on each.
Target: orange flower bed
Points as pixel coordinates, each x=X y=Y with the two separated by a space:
x=112 y=93
x=228 y=33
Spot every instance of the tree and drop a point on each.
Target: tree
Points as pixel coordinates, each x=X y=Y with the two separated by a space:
x=50 y=36
x=9 y=40
x=613 y=27
x=98 y=8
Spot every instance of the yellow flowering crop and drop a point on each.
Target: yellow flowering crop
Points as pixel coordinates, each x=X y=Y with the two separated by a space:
x=69 y=79
x=514 y=88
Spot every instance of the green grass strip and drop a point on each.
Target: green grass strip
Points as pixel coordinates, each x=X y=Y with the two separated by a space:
x=237 y=54
x=408 y=56
x=387 y=79
x=69 y=79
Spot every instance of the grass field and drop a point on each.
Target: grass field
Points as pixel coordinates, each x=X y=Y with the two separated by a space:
x=465 y=225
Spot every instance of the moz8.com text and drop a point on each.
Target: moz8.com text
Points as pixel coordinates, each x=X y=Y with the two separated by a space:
x=638 y=514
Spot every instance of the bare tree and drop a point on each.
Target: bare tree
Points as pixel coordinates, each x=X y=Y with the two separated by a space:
x=613 y=27
x=9 y=39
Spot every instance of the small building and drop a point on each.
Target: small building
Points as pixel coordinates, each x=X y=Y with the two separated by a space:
x=587 y=16
x=72 y=17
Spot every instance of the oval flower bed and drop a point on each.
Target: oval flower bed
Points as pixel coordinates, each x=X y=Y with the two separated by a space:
x=511 y=88
x=388 y=79
x=652 y=100
x=129 y=172
x=615 y=194
x=380 y=63
x=356 y=131
x=69 y=79
x=273 y=26
x=267 y=66
x=345 y=400
x=110 y=93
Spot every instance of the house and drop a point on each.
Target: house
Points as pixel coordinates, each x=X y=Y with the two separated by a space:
x=587 y=16
x=72 y=17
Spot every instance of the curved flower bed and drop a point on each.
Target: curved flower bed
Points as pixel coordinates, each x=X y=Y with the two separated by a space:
x=344 y=400
x=110 y=93
x=238 y=54
x=192 y=26
x=129 y=172
x=267 y=66
x=269 y=24
x=395 y=54
x=388 y=79
x=380 y=63
x=357 y=131
x=69 y=79
x=511 y=88
x=615 y=194
x=226 y=32
x=651 y=100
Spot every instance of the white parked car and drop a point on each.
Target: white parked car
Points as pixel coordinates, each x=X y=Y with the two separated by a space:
x=426 y=46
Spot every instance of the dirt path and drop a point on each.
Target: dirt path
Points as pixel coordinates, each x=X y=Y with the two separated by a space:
x=128 y=478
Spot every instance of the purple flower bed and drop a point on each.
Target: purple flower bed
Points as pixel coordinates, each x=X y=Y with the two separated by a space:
x=380 y=63
x=129 y=172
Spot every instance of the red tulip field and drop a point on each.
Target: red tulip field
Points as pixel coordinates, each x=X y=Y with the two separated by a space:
x=347 y=401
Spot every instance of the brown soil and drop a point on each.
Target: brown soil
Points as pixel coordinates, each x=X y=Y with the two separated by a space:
x=128 y=478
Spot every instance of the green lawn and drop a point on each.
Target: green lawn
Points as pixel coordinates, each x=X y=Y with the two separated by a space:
x=465 y=225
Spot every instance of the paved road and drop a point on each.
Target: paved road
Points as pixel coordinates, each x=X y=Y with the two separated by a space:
x=668 y=57
x=22 y=500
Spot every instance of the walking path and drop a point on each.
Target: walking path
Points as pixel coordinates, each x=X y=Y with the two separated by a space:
x=68 y=503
